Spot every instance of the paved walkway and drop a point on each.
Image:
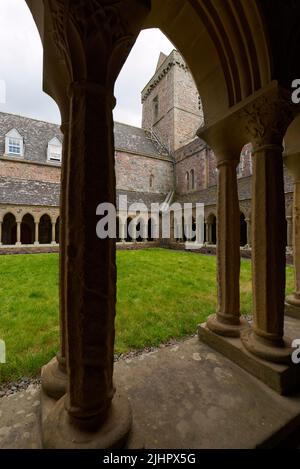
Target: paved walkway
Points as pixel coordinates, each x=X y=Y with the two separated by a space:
x=183 y=396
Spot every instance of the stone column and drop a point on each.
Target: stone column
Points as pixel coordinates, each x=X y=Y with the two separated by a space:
x=248 y=222
x=133 y=237
x=91 y=406
x=267 y=120
x=293 y=301
x=1 y=233
x=94 y=42
x=53 y=233
x=36 y=233
x=54 y=374
x=289 y=232
x=18 y=243
x=268 y=250
x=227 y=321
x=122 y=230
x=207 y=232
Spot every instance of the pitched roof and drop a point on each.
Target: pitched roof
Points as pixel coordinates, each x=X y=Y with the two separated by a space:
x=37 y=134
x=137 y=140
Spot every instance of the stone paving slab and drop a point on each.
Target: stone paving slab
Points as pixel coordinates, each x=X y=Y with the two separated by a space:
x=183 y=396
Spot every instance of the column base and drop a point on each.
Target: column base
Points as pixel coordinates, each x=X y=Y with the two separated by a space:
x=226 y=330
x=266 y=351
x=54 y=379
x=292 y=306
x=59 y=433
x=282 y=378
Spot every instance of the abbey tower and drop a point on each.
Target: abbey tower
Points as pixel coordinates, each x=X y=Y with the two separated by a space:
x=171 y=103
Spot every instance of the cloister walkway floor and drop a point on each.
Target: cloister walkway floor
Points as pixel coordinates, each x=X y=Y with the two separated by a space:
x=182 y=396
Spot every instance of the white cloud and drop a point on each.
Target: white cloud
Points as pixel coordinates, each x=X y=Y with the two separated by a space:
x=21 y=68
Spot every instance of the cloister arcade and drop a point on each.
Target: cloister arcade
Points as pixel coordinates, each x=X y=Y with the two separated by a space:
x=243 y=74
x=20 y=227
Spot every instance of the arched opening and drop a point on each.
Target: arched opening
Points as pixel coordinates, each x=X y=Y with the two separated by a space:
x=185 y=230
x=118 y=239
x=128 y=230
x=151 y=225
x=194 y=228
x=57 y=230
x=27 y=229
x=9 y=230
x=140 y=230
x=45 y=230
x=243 y=230
x=211 y=223
x=214 y=230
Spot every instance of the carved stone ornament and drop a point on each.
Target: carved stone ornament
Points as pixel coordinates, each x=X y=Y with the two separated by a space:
x=101 y=26
x=268 y=117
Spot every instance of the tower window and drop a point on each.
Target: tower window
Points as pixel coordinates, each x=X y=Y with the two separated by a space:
x=151 y=181
x=192 y=177
x=187 y=180
x=155 y=108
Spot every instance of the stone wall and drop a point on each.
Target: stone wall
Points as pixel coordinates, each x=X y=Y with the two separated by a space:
x=29 y=170
x=133 y=173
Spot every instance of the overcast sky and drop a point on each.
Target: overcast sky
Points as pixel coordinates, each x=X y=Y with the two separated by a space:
x=21 y=68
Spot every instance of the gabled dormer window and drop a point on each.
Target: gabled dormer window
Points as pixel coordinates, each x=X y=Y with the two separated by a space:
x=14 y=144
x=54 y=150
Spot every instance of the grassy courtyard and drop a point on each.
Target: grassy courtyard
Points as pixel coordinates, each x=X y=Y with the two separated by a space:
x=161 y=295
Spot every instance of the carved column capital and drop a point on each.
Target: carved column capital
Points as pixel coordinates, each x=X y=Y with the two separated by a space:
x=267 y=117
x=94 y=37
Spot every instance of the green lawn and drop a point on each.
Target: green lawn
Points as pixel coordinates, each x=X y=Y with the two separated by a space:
x=161 y=295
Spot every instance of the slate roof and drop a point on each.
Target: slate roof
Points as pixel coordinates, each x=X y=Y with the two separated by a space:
x=137 y=140
x=23 y=192
x=141 y=197
x=36 y=193
x=37 y=134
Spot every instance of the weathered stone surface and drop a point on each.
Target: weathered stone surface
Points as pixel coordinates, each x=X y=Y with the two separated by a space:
x=185 y=395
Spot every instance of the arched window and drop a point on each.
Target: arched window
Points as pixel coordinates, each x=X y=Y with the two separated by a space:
x=187 y=180
x=14 y=144
x=151 y=181
x=155 y=108
x=192 y=179
x=27 y=229
x=54 y=150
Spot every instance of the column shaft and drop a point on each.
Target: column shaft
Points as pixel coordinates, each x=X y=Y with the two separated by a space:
x=90 y=261
x=248 y=221
x=290 y=230
x=18 y=233
x=227 y=321
x=36 y=233
x=268 y=256
x=53 y=233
